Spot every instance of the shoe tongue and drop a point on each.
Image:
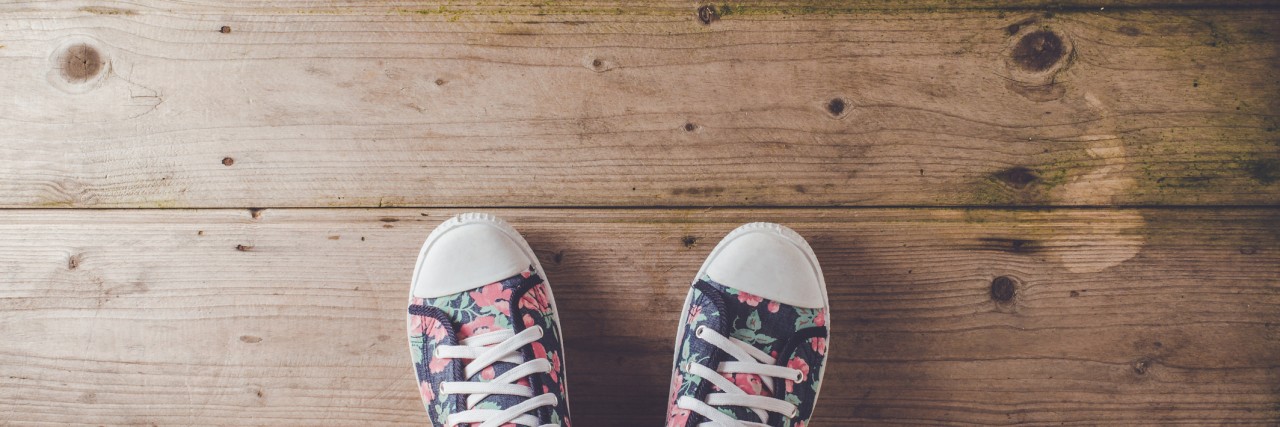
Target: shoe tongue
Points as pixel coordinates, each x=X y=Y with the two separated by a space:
x=745 y=323
x=489 y=310
x=497 y=401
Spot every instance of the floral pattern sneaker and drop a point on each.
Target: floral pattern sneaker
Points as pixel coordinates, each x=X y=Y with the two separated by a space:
x=752 y=345
x=483 y=330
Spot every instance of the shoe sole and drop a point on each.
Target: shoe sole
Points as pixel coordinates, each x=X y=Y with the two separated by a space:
x=510 y=232
x=792 y=237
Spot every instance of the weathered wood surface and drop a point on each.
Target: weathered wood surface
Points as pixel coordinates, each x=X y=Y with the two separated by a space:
x=189 y=317
x=364 y=104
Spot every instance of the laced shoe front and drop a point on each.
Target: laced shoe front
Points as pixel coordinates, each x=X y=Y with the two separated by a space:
x=489 y=355
x=752 y=359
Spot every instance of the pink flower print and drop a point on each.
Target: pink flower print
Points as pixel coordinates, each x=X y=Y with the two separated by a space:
x=438 y=364
x=821 y=318
x=799 y=424
x=528 y=321
x=555 y=367
x=437 y=332
x=774 y=306
x=540 y=295
x=819 y=345
x=539 y=351
x=750 y=299
x=798 y=364
x=418 y=324
x=678 y=418
x=480 y=325
x=426 y=326
x=750 y=383
x=493 y=295
x=488 y=373
x=536 y=300
x=693 y=314
x=676 y=382
x=427 y=394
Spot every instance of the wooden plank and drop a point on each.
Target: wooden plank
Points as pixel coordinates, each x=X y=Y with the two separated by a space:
x=491 y=8
x=194 y=317
x=398 y=104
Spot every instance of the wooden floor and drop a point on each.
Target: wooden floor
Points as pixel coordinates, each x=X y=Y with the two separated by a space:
x=1040 y=212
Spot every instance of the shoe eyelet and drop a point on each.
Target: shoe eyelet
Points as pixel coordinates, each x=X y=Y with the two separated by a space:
x=698 y=332
x=799 y=377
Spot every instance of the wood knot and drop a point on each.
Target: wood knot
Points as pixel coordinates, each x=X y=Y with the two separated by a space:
x=1003 y=289
x=227 y=161
x=1039 y=50
x=708 y=14
x=690 y=127
x=599 y=64
x=1017 y=177
x=836 y=107
x=250 y=339
x=226 y=29
x=1142 y=366
x=80 y=63
x=688 y=241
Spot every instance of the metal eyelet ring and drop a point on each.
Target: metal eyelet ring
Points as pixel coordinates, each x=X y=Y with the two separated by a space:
x=698 y=332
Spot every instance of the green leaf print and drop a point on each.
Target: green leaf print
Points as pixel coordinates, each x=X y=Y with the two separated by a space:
x=415 y=347
x=751 y=336
x=805 y=318
x=753 y=321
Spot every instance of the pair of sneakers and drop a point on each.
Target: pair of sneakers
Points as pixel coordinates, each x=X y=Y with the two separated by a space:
x=486 y=343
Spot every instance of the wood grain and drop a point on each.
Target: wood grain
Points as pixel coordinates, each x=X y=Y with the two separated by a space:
x=295 y=317
x=362 y=104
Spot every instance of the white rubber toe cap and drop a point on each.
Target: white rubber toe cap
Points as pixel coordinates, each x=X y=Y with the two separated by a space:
x=770 y=261
x=466 y=252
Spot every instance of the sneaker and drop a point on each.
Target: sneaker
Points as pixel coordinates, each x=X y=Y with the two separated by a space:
x=483 y=329
x=753 y=334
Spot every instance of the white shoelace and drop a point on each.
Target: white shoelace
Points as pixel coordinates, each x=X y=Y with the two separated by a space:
x=484 y=350
x=747 y=360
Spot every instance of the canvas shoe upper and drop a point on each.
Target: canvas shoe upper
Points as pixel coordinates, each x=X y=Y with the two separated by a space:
x=752 y=344
x=483 y=330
